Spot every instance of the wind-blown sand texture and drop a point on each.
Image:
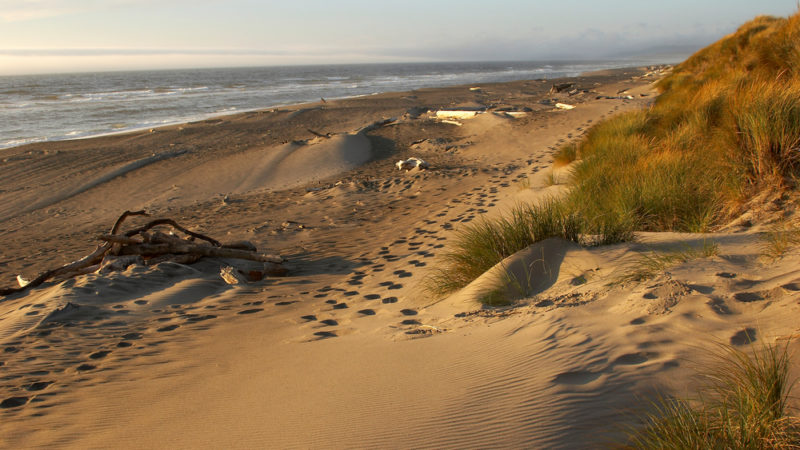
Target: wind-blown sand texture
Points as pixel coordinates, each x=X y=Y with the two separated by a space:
x=349 y=351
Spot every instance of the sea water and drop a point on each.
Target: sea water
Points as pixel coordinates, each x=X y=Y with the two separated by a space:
x=37 y=108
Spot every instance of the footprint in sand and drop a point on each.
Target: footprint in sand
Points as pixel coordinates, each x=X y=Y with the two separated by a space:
x=408 y=312
x=372 y=296
x=367 y=312
x=329 y=322
x=794 y=286
x=388 y=300
x=250 y=311
x=577 y=377
x=747 y=297
x=633 y=359
x=410 y=322
x=168 y=328
x=285 y=303
x=194 y=318
x=85 y=367
x=124 y=344
x=99 y=354
x=13 y=402
x=325 y=334
x=744 y=337
x=718 y=306
x=38 y=386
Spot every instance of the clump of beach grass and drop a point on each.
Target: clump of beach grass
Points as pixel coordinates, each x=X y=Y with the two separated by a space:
x=480 y=246
x=565 y=155
x=778 y=240
x=742 y=403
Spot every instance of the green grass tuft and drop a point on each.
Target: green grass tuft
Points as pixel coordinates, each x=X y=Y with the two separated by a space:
x=743 y=403
x=778 y=240
x=480 y=246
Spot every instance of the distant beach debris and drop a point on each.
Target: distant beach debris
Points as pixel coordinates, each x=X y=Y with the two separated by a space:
x=148 y=246
x=618 y=97
x=561 y=87
x=456 y=114
x=412 y=163
x=564 y=106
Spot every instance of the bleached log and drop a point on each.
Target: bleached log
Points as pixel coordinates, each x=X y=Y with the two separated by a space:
x=232 y=275
x=456 y=114
x=22 y=282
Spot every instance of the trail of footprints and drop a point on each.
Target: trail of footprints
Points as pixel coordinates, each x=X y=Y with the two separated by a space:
x=56 y=364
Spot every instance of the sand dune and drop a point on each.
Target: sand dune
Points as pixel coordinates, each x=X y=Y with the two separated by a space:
x=350 y=351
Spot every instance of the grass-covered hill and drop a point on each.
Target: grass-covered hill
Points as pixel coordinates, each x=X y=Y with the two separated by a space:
x=725 y=127
x=724 y=130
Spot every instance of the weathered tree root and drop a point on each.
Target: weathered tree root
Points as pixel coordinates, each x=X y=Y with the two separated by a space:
x=121 y=249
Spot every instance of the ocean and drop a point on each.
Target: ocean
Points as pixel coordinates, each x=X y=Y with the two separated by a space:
x=37 y=108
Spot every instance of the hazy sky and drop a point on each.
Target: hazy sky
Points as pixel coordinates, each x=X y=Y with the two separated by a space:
x=84 y=35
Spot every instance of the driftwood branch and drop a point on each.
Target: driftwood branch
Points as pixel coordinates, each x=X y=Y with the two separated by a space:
x=197 y=249
x=76 y=266
x=155 y=247
x=173 y=224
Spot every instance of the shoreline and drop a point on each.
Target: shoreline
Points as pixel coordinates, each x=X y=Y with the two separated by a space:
x=217 y=115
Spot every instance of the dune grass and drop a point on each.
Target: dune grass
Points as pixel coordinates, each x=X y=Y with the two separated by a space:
x=478 y=247
x=742 y=403
x=726 y=126
x=778 y=240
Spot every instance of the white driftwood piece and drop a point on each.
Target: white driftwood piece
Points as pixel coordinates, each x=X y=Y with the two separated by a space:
x=411 y=163
x=22 y=281
x=564 y=106
x=453 y=114
x=232 y=275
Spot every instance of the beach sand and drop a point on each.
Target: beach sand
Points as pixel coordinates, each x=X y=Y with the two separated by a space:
x=350 y=350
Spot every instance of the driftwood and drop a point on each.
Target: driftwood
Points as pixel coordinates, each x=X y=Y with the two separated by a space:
x=141 y=245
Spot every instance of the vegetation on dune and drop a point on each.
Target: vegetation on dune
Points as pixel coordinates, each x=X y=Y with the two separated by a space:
x=725 y=127
x=742 y=403
x=478 y=247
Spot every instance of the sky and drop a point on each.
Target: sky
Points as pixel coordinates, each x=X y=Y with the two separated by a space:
x=52 y=36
